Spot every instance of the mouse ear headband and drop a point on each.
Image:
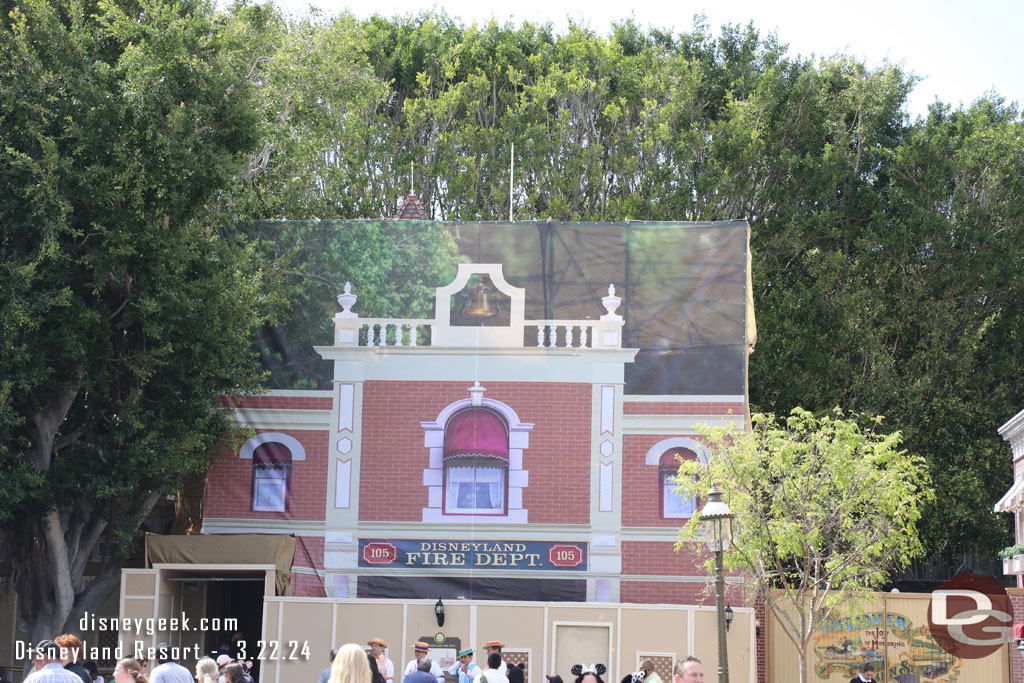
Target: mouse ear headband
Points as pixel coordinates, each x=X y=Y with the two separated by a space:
x=596 y=669
x=637 y=676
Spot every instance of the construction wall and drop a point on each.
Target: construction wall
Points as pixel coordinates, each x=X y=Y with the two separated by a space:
x=547 y=637
x=889 y=630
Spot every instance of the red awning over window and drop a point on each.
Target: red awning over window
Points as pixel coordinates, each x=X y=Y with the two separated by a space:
x=476 y=433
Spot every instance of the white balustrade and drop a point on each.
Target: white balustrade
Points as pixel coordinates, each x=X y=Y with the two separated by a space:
x=604 y=333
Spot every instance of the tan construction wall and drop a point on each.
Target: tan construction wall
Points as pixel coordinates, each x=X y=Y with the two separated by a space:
x=549 y=637
x=890 y=630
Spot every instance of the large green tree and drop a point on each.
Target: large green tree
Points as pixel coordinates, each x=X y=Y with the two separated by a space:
x=128 y=301
x=886 y=251
x=824 y=509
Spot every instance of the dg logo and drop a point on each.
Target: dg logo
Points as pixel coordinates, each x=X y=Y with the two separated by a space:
x=970 y=616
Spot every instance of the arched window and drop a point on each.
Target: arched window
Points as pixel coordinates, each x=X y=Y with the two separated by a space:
x=476 y=463
x=271 y=477
x=674 y=505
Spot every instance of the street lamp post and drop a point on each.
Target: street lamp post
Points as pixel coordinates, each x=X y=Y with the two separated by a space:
x=718 y=534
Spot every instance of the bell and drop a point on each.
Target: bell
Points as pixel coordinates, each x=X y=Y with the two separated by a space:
x=480 y=306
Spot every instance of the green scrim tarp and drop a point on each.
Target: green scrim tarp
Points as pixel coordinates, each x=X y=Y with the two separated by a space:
x=686 y=294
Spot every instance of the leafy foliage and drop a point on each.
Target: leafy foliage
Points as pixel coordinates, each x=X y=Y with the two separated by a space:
x=886 y=252
x=128 y=301
x=824 y=511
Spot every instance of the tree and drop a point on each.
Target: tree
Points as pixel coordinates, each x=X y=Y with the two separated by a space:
x=128 y=301
x=824 y=511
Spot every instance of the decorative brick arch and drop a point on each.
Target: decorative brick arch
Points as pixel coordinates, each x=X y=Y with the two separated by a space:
x=518 y=478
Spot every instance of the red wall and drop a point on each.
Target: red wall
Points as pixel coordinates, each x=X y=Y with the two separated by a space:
x=672 y=593
x=642 y=507
x=393 y=454
x=229 y=482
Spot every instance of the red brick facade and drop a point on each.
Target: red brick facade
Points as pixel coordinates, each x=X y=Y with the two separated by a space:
x=643 y=507
x=307 y=495
x=558 y=459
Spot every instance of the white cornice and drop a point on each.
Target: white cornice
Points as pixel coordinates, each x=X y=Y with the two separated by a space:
x=277 y=418
x=684 y=398
x=1013 y=426
x=676 y=424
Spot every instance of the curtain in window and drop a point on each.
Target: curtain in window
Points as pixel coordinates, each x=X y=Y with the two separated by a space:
x=479 y=488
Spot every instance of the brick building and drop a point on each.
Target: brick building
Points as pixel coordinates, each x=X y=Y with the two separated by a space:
x=519 y=435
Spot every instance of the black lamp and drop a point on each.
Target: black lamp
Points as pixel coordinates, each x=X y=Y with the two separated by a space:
x=728 y=617
x=439 y=613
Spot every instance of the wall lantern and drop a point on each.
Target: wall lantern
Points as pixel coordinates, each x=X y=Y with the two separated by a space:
x=439 y=613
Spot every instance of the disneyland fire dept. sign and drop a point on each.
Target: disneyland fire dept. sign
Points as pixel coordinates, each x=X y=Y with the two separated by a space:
x=411 y=553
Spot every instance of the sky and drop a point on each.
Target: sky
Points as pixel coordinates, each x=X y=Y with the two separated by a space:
x=960 y=50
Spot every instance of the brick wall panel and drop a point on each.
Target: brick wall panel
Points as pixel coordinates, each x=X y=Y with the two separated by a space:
x=394 y=457
x=229 y=481
x=643 y=506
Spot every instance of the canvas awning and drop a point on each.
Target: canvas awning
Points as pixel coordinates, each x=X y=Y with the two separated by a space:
x=1012 y=499
x=476 y=433
x=275 y=549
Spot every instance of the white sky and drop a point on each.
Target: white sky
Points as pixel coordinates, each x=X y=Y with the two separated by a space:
x=961 y=49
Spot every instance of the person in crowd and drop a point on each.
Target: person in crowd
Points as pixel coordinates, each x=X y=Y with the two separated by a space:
x=420 y=651
x=867 y=674
x=493 y=673
x=206 y=671
x=554 y=679
x=326 y=673
x=466 y=669
x=375 y=674
x=143 y=661
x=129 y=671
x=90 y=667
x=51 y=668
x=689 y=669
x=39 y=656
x=350 y=665
x=422 y=673
x=496 y=646
x=650 y=675
x=590 y=674
x=70 y=651
x=234 y=673
x=169 y=671
x=517 y=674
x=384 y=665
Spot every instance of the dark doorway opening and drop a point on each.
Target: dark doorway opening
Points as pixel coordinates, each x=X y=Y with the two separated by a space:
x=236 y=605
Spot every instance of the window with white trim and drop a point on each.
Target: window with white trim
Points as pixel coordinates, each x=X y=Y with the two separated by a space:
x=271 y=477
x=674 y=505
x=476 y=463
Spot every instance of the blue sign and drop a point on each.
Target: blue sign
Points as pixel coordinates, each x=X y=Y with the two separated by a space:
x=436 y=554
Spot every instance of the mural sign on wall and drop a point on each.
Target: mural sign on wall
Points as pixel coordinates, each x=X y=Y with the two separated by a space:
x=898 y=650
x=424 y=553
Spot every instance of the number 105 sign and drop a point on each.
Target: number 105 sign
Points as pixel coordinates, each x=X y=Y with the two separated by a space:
x=476 y=554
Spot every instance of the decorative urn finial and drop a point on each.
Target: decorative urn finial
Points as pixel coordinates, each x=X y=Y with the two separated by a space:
x=476 y=394
x=611 y=303
x=347 y=301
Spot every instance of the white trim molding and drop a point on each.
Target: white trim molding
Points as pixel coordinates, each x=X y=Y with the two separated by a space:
x=657 y=450
x=518 y=478
x=289 y=442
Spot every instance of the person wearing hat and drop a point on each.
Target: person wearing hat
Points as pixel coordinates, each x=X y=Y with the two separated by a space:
x=420 y=649
x=384 y=665
x=466 y=669
x=495 y=646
